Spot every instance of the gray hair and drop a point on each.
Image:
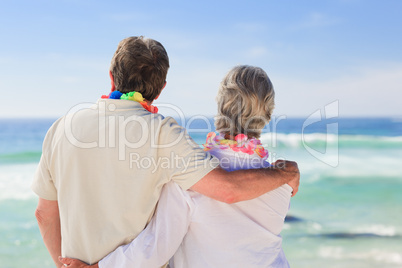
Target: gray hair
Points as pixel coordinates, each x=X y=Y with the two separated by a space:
x=245 y=101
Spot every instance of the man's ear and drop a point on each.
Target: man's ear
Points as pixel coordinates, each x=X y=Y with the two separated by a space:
x=112 y=81
x=161 y=91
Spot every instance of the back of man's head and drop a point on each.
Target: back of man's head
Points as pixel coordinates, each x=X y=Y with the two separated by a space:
x=140 y=64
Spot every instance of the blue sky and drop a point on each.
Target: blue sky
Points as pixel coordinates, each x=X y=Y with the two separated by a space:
x=56 y=54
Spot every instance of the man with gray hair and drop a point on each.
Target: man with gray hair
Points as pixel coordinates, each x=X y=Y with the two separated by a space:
x=92 y=199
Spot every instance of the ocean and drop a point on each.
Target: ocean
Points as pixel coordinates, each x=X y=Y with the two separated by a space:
x=347 y=213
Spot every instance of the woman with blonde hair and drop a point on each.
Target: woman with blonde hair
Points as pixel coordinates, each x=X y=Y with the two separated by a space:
x=193 y=230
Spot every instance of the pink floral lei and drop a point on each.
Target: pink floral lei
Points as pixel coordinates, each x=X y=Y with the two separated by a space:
x=240 y=143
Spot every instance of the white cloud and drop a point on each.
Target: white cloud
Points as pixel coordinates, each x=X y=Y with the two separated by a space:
x=48 y=85
x=76 y=62
x=256 y=52
x=250 y=27
x=360 y=91
x=317 y=20
x=193 y=86
x=368 y=92
x=129 y=17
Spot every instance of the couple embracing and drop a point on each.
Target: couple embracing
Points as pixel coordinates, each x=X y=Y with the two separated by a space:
x=224 y=208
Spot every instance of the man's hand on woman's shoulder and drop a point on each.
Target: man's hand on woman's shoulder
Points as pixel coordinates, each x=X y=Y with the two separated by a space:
x=74 y=263
x=291 y=168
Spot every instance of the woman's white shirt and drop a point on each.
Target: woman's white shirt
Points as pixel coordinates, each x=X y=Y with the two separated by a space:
x=201 y=232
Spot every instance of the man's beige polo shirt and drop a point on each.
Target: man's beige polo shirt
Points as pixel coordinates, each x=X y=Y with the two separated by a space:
x=106 y=166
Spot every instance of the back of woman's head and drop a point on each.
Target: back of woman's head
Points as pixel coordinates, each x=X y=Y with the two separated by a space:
x=245 y=101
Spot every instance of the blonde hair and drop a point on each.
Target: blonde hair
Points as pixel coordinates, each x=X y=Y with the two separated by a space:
x=140 y=65
x=245 y=101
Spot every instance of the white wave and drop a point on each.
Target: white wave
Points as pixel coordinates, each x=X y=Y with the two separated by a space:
x=353 y=163
x=377 y=229
x=352 y=166
x=273 y=139
x=297 y=139
x=331 y=252
x=369 y=165
x=381 y=256
x=15 y=181
x=316 y=226
x=371 y=138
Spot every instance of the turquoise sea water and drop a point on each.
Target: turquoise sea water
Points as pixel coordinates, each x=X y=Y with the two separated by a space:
x=348 y=212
